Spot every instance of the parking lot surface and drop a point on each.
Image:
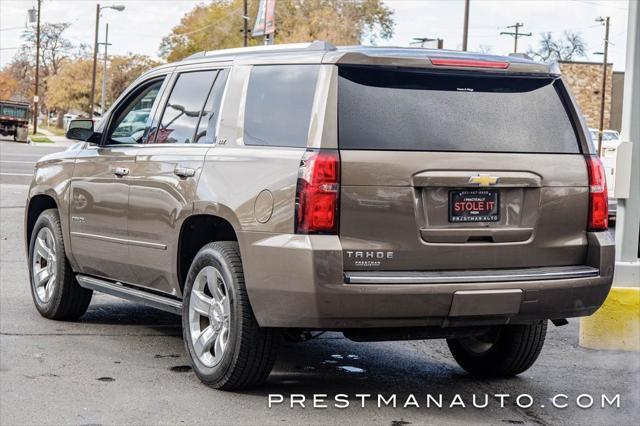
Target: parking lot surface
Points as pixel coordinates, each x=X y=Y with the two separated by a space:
x=123 y=363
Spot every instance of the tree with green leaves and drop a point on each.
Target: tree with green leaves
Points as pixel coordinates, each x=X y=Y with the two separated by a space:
x=218 y=25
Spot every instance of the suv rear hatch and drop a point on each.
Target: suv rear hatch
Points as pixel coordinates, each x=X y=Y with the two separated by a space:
x=452 y=170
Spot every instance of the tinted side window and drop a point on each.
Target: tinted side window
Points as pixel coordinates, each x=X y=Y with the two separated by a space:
x=279 y=102
x=181 y=114
x=207 y=130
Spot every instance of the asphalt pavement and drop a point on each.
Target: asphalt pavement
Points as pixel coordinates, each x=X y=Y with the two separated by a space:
x=123 y=363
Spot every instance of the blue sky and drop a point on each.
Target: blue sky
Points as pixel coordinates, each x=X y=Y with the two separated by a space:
x=144 y=22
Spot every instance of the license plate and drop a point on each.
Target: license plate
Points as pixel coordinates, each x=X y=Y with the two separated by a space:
x=476 y=205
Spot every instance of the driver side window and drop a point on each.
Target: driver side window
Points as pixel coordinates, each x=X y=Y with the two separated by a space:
x=133 y=119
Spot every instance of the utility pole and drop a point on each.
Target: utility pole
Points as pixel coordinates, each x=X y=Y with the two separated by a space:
x=35 y=96
x=465 y=28
x=423 y=40
x=604 y=80
x=266 y=14
x=516 y=33
x=95 y=60
x=245 y=24
x=103 y=100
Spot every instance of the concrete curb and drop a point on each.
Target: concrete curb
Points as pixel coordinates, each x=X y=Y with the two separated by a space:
x=616 y=325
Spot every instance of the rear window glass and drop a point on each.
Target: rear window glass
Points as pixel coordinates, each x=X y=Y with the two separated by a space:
x=12 y=111
x=279 y=102
x=418 y=110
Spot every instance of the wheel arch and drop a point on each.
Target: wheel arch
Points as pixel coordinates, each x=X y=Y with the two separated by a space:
x=36 y=205
x=196 y=231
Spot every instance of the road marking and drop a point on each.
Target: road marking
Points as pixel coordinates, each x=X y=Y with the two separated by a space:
x=16 y=174
x=17 y=162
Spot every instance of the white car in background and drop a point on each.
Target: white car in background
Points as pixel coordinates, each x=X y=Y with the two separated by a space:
x=610 y=142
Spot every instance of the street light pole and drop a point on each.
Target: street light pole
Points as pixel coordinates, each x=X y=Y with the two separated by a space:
x=119 y=8
x=604 y=81
x=465 y=28
x=35 y=96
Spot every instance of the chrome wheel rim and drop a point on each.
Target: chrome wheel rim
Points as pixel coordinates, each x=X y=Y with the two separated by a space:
x=44 y=265
x=209 y=316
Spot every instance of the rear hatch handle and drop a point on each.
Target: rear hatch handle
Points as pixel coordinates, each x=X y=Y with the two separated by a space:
x=475 y=179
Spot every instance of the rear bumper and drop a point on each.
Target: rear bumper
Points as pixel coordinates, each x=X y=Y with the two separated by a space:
x=298 y=281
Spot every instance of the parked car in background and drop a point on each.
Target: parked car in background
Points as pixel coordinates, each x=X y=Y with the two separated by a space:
x=610 y=142
x=379 y=192
x=66 y=119
x=14 y=120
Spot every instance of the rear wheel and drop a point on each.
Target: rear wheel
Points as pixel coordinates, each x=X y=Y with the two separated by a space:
x=55 y=291
x=226 y=346
x=505 y=351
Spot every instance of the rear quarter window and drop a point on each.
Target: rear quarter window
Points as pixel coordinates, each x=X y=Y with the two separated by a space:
x=278 y=105
x=423 y=110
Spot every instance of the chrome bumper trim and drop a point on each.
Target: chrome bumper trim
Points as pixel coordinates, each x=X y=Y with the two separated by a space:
x=471 y=276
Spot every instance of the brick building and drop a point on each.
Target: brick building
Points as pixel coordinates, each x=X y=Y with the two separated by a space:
x=585 y=81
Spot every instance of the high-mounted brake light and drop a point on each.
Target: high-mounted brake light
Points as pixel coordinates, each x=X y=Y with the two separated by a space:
x=598 y=197
x=318 y=193
x=452 y=62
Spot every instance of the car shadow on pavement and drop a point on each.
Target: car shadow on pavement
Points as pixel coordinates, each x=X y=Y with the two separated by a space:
x=118 y=312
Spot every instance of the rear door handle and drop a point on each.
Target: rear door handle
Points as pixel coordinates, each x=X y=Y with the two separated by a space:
x=184 y=172
x=120 y=171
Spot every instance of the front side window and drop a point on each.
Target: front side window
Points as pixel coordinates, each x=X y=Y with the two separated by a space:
x=131 y=119
x=279 y=103
x=182 y=112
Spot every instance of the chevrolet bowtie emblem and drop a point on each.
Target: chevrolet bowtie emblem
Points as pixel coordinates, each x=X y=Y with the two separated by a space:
x=483 y=180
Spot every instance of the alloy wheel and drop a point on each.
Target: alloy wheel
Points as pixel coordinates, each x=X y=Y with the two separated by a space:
x=209 y=316
x=44 y=265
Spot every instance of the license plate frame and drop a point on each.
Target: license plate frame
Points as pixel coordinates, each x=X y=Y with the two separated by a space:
x=476 y=207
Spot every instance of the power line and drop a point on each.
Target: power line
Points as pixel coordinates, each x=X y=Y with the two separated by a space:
x=13 y=28
x=516 y=34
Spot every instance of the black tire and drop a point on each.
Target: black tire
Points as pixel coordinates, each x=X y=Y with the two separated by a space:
x=504 y=352
x=250 y=351
x=67 y=300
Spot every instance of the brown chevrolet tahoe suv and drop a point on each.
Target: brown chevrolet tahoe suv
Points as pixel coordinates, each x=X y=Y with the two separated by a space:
x=384 y=193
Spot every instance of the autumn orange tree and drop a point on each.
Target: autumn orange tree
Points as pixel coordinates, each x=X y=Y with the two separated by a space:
x=218 y=25
x=70 y=88
x=8 y=85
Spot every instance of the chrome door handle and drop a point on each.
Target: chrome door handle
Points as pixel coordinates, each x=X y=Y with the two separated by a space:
x=120 y=171
x=184 y=172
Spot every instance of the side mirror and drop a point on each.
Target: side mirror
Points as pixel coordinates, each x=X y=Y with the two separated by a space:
x=80 y=130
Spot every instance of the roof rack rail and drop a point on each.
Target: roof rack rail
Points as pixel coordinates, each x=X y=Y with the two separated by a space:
x=316 y=45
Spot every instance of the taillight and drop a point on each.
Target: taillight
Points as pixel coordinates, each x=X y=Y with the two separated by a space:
x=318 y=193
x=475 y=63
x=598 y=197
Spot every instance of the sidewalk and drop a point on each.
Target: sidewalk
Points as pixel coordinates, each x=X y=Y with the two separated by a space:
x=55 y=139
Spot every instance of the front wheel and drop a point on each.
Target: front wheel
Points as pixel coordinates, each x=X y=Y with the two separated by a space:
x=226 y=346
x=55 y=291
x=503 y=352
